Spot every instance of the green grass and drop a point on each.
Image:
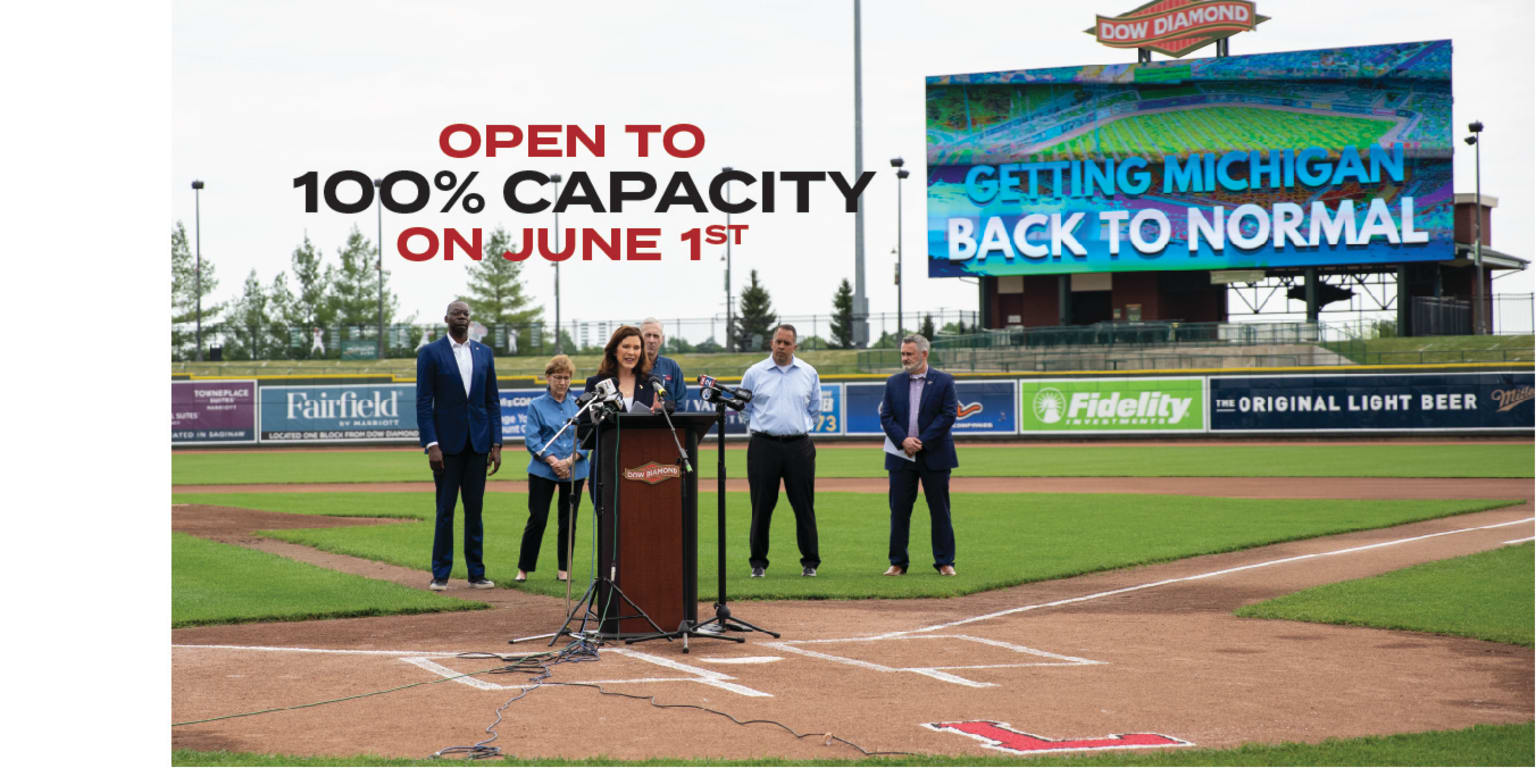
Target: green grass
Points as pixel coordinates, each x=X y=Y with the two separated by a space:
x=406 y=505
x=1067 y=534
x=1488 y=596
x=1437 y=349
x=976 y=460
x=1478 y=745
x=213 y=583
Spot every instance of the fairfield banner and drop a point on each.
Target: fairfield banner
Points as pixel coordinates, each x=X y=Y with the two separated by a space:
x=339 y=414
x=1409 y=402
x=1086 y=406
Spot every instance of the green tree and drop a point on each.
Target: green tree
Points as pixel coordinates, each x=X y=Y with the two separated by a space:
x=496 y=290
x=247 y=323
x=709 y=346
x=310 y=308
x=756 y=318
x=186 y=291
x=279 y=309
x=926 y=329
x=354 y=295
x=842 y=316
x=678 y=345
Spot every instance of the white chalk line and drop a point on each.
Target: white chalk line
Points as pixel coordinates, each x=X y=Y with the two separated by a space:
x=1196 y=577
x=423 y=659
x=1521 y=541
x=937 y=672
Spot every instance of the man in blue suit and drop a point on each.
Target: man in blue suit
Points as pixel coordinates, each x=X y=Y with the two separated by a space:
x=917 y=414
x=458 y=413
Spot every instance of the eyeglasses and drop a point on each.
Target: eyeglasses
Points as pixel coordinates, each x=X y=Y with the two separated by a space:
x=559 y=377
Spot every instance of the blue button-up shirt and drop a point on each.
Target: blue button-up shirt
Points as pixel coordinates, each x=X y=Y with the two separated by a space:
x=785 y=401
x=545 y=418
x=671 y=375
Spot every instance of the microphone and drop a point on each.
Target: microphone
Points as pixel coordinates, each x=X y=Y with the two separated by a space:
x=710 y=382
x=661 y=390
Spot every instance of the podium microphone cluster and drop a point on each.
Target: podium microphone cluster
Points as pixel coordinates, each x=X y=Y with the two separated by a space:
x=715 y=392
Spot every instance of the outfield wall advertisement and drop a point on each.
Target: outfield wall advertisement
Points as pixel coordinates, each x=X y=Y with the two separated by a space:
x=213 y=412
x=736 y=424
x=338 y=414
x=1301 y=158
x=1096 y=406
x=1384 y=402
x=985 y=408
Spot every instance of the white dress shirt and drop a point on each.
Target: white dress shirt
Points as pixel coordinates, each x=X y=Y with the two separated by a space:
x=465 y=359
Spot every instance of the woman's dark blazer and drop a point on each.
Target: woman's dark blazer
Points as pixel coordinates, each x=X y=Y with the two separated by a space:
x=645 y=394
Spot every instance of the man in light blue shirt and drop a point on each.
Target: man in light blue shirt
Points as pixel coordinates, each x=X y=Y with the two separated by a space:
x=785 y=408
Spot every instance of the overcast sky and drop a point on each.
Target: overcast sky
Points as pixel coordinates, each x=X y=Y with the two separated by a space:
x=265 y=92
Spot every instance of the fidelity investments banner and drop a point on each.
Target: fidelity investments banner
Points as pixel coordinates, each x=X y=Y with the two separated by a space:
x=1112 y=405
x=1301 y=158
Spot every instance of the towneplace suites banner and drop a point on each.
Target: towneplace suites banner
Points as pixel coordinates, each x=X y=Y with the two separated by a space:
x=213 y=412
x=1374 y=402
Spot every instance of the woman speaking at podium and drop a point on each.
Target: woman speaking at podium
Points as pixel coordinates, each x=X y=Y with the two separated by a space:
x=562 y=466
x=624 y=361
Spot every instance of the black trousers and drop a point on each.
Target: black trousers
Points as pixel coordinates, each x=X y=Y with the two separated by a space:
x=540 y=491
x=463 y=475
x=794 y=462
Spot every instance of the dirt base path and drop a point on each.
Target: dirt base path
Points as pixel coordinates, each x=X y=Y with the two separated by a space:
x=1142 y=650
x=1237 y=487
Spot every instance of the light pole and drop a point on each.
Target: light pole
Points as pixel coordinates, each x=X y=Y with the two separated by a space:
x=555 y=179
x=1476 y=127
x=378 y=184
x=901 y=173
x=730 y=344
x=197 y=274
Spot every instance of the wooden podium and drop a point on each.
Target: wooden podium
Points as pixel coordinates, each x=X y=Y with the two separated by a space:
x=647 y=522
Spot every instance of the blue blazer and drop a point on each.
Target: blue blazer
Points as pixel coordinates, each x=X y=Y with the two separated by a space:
x=444 y=414
x=936 y=414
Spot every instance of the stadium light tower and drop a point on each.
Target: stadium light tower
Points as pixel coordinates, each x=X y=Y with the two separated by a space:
x=378 y=184
x=197 y=275
x=554 y=178
x=1475 y=140
x=901 y=173
x=730 y=345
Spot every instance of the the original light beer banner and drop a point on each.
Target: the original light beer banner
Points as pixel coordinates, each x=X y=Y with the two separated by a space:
x=1367 y=402
x=1339 y=156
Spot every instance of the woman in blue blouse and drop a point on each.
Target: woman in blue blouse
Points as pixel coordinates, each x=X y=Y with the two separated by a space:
x=563 y=468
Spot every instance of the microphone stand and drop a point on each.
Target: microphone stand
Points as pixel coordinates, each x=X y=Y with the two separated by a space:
x=723 y=621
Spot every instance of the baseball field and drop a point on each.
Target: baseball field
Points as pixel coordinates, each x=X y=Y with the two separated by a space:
x=1188 y=603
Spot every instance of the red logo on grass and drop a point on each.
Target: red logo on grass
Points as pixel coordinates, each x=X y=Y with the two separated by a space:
x=1002 y=737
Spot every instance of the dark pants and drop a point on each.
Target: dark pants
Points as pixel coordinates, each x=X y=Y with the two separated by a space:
x=794 y=462
x=903 y=495
x=463 y=475
x=540 y=491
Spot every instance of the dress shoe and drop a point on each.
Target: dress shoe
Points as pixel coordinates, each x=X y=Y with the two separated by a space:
x=946 y=570
x=521 y=576
x=895 y=570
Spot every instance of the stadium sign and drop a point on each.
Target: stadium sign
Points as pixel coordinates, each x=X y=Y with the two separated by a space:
x=1176 y=27
x=983 y=408
x=1112 y=405
x=213 y=412
x=1372 y=402
x=1269 y=161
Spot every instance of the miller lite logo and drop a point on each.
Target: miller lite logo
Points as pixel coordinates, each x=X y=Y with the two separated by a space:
x=1176 y=27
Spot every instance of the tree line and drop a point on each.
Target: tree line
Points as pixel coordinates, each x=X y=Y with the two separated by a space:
x=277 y=319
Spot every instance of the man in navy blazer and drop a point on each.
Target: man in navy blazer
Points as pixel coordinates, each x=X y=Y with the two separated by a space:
x=458 y=414
x=917 y=414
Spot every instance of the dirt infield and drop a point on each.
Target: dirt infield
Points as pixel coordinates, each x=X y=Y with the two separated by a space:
x=1143 y=650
